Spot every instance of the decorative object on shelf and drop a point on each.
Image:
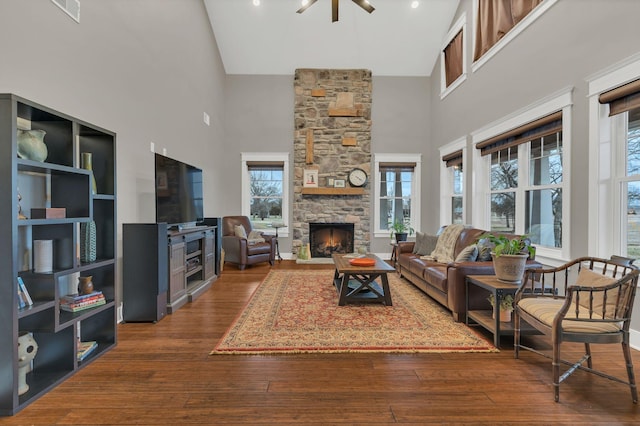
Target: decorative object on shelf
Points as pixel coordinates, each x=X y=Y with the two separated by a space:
x=42 y=256
x=49 y=213
x=88 y=241
x=357 y=177
x=510 y=256
x=21 y=214
x=22 y=289
x=87 y=164
x=310 y=178
x=31 y=145
x=85 y=285
x=401 y=230
x=506 y=307
x=27 y=350
x=338 y=183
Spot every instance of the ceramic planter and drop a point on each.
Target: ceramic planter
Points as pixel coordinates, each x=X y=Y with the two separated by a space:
x=509 y=267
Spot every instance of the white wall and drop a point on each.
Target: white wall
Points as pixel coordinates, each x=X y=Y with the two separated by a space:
x=145 y=69
x=573 y=40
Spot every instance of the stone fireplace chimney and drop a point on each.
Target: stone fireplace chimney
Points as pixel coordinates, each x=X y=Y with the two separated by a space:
x=332 y=116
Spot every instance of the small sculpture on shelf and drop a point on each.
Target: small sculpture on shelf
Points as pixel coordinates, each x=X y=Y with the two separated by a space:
x=21 y=214
x=27 y=349
x=85 y=285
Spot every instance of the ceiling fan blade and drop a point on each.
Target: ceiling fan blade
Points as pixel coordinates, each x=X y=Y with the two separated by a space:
x=365 y=5
x=334 y=10
x=306 y=6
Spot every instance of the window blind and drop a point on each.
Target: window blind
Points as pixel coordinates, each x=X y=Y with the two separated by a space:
x=622 y=98
x=544 y=126
x=453 y=159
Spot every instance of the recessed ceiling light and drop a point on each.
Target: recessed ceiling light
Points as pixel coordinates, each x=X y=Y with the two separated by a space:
x=256 y=2
x=415 y=3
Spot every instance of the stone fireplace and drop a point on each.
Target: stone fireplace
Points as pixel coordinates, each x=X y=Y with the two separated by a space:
x=332 y=136
x=326 y=239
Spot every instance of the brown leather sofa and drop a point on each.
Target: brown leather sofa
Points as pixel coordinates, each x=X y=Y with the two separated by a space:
x=240 y=250
x=446 y=282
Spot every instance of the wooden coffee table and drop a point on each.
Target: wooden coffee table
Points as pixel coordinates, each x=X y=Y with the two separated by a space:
x=357 y=284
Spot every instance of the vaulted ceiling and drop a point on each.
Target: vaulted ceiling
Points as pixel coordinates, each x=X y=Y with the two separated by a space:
x=272 y=39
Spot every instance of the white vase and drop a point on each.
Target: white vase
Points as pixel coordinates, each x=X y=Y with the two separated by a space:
x=31 y=145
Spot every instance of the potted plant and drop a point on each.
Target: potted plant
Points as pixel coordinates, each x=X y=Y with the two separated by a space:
x=510 y=256
x=506 y=307
x=401 y=230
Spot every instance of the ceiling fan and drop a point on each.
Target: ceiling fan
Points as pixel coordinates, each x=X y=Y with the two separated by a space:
x=334 y=7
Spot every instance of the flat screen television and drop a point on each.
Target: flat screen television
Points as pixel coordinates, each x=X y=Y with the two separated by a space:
x=178 y=192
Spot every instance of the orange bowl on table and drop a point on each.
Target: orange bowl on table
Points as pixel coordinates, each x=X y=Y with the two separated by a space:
x=362 y=261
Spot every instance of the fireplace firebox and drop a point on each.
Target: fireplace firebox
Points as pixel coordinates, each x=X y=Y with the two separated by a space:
x=326 y=239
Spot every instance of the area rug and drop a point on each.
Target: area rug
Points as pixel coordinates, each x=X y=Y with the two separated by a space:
x=297 y=312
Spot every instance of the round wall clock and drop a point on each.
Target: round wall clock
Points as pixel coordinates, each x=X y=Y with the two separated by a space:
x=357 y=177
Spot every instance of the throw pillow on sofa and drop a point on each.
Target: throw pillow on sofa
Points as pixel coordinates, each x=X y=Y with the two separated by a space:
x=425 y=244
x=468 y=254
x=239 y=231
x=484 y=250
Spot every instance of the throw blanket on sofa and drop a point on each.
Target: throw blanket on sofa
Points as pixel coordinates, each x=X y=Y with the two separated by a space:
x=443 y=253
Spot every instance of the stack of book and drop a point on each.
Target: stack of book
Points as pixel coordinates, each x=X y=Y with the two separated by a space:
x=85 y=348
x=79 y=302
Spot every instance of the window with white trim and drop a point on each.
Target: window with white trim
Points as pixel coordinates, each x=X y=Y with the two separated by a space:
x=524 y=160
x=265 y=191
x=397 y=192
x=452 y=182
x=623 y=106
x=453 y=58
x=498 y=22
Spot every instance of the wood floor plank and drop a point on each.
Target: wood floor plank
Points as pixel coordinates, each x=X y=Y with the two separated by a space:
x=163 y=374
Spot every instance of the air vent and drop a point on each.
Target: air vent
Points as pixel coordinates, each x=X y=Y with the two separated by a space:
x=70 y=7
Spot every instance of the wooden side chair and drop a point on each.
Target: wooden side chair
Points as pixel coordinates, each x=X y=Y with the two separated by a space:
x=588 y=300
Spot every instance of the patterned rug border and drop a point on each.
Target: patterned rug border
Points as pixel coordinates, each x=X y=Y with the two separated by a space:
x=276 y=350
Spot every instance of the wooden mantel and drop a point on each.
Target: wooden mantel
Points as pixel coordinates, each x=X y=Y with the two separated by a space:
x=332 y=191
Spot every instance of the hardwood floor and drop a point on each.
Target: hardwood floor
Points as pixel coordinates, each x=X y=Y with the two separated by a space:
x=162 y=374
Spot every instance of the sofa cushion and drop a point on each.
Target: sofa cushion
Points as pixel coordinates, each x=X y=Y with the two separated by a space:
x=425 y=243
x=468 y=254
x=436 y=275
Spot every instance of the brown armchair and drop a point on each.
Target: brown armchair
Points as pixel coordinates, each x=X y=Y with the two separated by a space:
x=241 y=250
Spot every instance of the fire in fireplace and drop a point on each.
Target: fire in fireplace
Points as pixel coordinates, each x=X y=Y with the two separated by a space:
x=328 y=238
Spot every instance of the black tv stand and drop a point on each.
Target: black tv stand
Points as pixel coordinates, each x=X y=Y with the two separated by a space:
x=190 y=257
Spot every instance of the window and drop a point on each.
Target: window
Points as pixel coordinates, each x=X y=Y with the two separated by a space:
x=631 y=186
x=265 y=188
x=497 y=22
x=524 y=160
x=452 y=182
x=397 y=192
x=453 y=58
x=623 y=106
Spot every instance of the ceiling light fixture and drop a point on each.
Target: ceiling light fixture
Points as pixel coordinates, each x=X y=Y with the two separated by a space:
x=334 y=7
x=256 y=2
x=414 y=4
